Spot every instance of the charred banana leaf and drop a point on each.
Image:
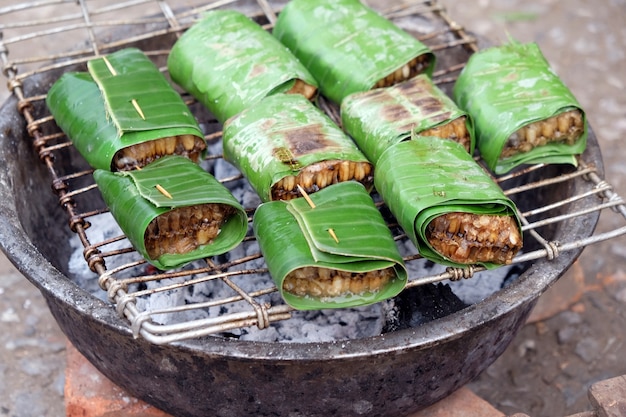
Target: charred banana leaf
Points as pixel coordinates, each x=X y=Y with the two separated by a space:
x=229 y=62
x=449 y=207
x=337 y=252
x=284 y=142
x=523 y=112
x=348 y=47
x=173 y=212
x=123 y=113
x=380 y=118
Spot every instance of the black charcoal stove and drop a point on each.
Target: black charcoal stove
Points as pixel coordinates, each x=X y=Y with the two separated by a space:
x=199 y=368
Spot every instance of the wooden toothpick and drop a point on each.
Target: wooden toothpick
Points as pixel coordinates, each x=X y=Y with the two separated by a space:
x=163 y=191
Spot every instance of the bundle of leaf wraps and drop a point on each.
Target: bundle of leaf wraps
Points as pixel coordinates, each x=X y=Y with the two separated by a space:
x=383 y=117
x=523 y=113
x=450 y=208
x=288 y=150
x=452 y=211
x=173 y=211
x=123 y=113
x=228 y=63
x=129 y=123
x=348 y=47
x=330 y=250
x=324 y=241
x=284 y=145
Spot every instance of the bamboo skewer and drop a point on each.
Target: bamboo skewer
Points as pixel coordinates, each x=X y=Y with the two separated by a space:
x=334 y=236
x=137 y=108
x=109 y=66
x=306 y=196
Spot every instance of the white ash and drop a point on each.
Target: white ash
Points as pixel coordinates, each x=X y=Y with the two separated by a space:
x=304 y=326
x=102 y=227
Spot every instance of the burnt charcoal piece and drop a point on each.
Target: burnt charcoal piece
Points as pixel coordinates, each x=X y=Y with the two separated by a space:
x=421 y=304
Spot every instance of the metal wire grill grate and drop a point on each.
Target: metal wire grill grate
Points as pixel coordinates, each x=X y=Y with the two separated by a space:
x=75 y=31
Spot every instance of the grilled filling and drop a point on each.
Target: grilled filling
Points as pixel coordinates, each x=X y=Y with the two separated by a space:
x=455 y=130
x=416 y=66
x=300 y=87
x=141 y=154
x=563 y=128
x=324 y=282
x=470 y=238
x=314 y=177
x=185 y=228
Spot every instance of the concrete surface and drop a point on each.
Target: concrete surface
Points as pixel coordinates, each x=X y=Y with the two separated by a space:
x=577 y=335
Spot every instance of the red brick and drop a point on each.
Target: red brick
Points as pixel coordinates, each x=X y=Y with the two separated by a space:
x=462 y=403
x=88 y=393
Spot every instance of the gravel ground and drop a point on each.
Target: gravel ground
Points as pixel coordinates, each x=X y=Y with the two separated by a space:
x=578 y=333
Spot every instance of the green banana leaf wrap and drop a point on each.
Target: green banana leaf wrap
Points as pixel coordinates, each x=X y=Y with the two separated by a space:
x=510 y=86
x=293 y=235
x=228 y=62
x=134 y=201
x=347 y=46
x=279 y=136
x=380 y=118
x=426 y=177
x=95 y=108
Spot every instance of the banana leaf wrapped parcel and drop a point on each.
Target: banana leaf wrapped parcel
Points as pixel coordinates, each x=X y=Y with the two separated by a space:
x=173 y=211
x=449 y=207
x=380 y=118
x=284 y=143
x=229 y=62
x=330 y=252
x=348 y=47
x=123 y=113
x=523 y=112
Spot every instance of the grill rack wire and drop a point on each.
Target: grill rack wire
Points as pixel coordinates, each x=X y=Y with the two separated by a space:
x=93 y=21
